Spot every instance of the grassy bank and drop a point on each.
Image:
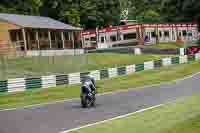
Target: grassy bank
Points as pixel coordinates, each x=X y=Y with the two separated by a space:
x=182 y=116
x=168 y=45
x=132 y=81
x=36 y=66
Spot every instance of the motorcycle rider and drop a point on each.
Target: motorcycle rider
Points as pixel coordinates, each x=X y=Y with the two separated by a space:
x=88 y=88
x=88 y=85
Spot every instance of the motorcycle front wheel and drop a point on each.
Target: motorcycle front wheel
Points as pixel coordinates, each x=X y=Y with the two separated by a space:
x=87 y=102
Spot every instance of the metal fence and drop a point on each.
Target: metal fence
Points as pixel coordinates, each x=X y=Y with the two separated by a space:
x=34 y=66
x=15 y=63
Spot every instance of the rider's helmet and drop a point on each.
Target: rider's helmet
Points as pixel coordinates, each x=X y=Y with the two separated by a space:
x=90 y=78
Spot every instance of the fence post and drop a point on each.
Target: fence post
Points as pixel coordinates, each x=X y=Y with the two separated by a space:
x=182 y=51
x=3 y=66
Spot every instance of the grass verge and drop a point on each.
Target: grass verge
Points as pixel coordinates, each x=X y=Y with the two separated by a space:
x=168 y=45
x=123 y=82
x=37 y=66
x=182 y=116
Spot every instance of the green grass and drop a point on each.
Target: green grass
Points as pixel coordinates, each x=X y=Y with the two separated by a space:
x=182 y=116
x=168 y=45
x=123 y=82
x=37 y=66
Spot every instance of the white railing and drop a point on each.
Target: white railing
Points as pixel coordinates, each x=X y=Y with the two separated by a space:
x=55 y=52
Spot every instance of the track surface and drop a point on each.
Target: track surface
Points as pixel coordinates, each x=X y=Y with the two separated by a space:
x=59 y=117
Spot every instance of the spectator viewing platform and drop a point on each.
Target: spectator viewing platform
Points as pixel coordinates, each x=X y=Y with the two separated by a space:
x=22 y=33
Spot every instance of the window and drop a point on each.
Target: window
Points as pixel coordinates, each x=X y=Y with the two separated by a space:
x=184 y=33
x=58 y=35
x=32 y=36
x=93 y=38
x=66 y=35
x=53 y=36
x=102 y=39
x=129 y=36
x=20 y=35
x=173 y=35
x=160 y=33
x=113 y=38
x=87 y=39
x=13 y=36
x=190 y=33
x=40 y=35
x=46 y=35
x=153 y=34
x=166 y=33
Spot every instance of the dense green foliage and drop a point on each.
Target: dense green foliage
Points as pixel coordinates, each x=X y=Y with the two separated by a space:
x=92 y=13
x=142 y=10
x=181 y=10
x=88 y=13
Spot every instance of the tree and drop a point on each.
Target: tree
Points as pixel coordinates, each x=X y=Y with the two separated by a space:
x=95 y=13
x=70 y=12
x=88 y=13
x=63 y=10
x=36 y=5
x=108 y=12
x=180 y=10
x=151 y=16
x=142 y=10
x=28 y=7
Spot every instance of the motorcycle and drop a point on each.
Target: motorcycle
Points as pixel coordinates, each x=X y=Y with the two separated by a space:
x=88 y=91
x=88 y=100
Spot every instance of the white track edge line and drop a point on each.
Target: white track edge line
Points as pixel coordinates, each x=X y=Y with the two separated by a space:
x=108 y=120
x=106 y=93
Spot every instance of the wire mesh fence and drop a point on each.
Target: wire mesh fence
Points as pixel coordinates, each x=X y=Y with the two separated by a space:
x=15 y=67
x=15 y=63
x=23 y=84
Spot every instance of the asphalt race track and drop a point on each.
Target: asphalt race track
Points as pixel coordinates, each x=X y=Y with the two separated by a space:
x=58 y=117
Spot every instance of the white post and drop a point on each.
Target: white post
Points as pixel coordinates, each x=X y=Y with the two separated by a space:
x=170 y=35
x=49 y=36
x=69 y=36
x=29 y=41
x=17 y=40
x=175 y=34
x=72 y=36
x=82 y=40
x=37 y=39
x=63 y=39
x=55 y=35
x=25 y=42
x=181 y=32
x=17 y=36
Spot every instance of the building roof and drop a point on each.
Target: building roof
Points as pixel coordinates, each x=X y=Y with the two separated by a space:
x=36 y=22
